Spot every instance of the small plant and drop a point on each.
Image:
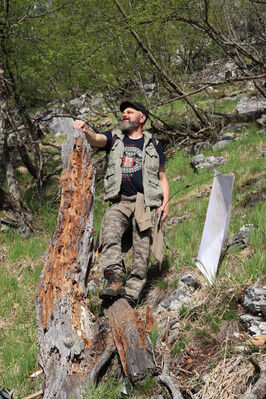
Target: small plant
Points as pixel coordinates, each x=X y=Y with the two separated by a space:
x=180 y=345
x=230 y=315
x=204 y=335
x=188 y=313
x=154 y=334
x=163 y=284
x=94 y=303
x=145 y=387
x=215 y=322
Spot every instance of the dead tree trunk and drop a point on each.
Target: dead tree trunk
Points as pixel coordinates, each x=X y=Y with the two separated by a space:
x=73 y=348
x=63 y=317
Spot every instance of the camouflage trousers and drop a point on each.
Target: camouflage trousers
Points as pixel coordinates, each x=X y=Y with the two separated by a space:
x=115 y=224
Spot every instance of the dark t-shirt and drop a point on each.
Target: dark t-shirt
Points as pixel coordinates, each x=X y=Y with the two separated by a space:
x=132 y=163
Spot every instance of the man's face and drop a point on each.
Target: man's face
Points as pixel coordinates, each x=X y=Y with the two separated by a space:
x=131 y=119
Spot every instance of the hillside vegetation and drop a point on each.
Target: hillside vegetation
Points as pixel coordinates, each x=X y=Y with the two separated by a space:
x=209 y=328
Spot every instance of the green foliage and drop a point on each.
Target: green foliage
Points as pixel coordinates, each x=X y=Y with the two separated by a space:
x=203 y=335
x=145 y=387
x=154 y=334
x=163 y=284
x=94 y=303
x=180 y=345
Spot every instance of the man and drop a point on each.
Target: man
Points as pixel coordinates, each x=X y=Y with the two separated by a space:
x=137 y=186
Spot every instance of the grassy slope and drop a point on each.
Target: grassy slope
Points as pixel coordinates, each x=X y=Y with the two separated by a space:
x=21 y=261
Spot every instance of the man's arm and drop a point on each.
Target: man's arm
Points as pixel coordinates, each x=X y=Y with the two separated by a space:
x=96 y=140
x=165 y=186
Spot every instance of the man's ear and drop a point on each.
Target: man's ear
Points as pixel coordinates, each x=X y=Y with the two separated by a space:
x=143 y=118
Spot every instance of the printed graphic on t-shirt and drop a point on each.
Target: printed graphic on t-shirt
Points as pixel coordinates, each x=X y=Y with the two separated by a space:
x=132 y=161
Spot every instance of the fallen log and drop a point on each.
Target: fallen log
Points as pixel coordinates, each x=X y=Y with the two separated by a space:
x=130 y=339
x=250 y=116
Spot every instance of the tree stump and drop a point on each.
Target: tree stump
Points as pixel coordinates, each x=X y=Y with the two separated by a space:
x=64 y=321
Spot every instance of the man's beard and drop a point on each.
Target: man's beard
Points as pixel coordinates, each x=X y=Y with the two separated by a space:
x=127 y=126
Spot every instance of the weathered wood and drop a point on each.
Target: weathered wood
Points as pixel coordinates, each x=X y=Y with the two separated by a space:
x=258 y=391
x=167 y=380
x=130 y=338
x=65 y=327
x=104 y=359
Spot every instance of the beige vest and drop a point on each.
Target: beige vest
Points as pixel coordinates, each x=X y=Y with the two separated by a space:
x=153 y=192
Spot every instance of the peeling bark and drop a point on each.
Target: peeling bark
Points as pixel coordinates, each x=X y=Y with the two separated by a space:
x=130 y=338
x=64 y=322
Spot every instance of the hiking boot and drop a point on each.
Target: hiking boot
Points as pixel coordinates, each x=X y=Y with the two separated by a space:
x=114 y=288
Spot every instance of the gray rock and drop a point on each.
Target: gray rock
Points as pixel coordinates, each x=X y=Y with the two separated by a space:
x=226 y=71
x=78 y=102
x=97 y=100
x=256 y=199
x=253 y=324
x=61 y=126
x=241 y=238
x=199 y=162
x=260 y=182
x=221 y=144
x=234 y=127
x=149 y=89
x=177 y=299
x=262 y=120
x=84 y=112
x=175 y=304
x=263 y=153
x=177 y=178
x=227 y=136
x=255 y=300
x=175 y=326
x=174 y=220
x=197 y=148
x=190 y=281
x=248 y=104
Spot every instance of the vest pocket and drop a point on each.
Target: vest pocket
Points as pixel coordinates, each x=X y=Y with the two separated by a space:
x=152 y=160
x=109 y=179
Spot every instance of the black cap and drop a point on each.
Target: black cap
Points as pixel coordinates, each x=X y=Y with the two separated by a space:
x=135 y=105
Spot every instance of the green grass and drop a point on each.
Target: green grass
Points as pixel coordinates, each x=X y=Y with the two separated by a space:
x=145 y=387
x=18 y=339
x=106 y=389
x=19 y=247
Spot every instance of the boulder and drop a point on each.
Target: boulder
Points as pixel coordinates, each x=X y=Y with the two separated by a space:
x=61 y=126
x=249 y=104
x=255 y=301
x=253 y=324
x=196 y=148
x=241 y=238
x=199 y=162
x=78 y=102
